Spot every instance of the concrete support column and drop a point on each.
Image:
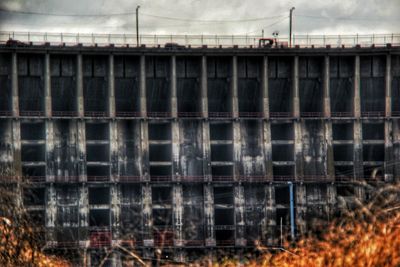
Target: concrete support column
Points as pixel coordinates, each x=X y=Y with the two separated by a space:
x=239 y=216
x=357 y=103
x=177 y=206
x=83 y=202
x=111 y=86
x=204 y=91
x=237 y=150
x=388 y=151
x=209 y=215
x=148 y=240
x=298 y=150
x=267 y=150
x=327 y=98
x=301 y=209
x=268 y=224
x=51 y=209
x=396 y=149
x=79 y=86
x=296 y=89
x=358 y=154
x=81 y=147
x=114 y=157
x=264 y=84
x=234 y=88
x=174 y=99
x=330 y=163
x=176 y=171
x=50 y=159
x=331 y=200
x=388 y=86
x=206 y=151
x=142 y=86
x=47 y=86
x=14 y=85
x=115 y=209
x=16 y=143
x=144 y=149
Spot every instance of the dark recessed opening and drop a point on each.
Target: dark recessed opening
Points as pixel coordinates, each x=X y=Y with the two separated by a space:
x=224 y=216
x=97 y=131
x=221 y=131
x=99 y=196
x=34 y=196
x=222 y=170
x=160 y=171
x=343 y=152
x=161 y=195
x=159 y=131
x=99 y=217
x=160 y=152
x=162 y=217
x=221 y=152
x=33 y=131
x=34 y=171
x=282 y=195
x=374 y=152
x=342 y=131
x=282 y=131
x=344 y=171
x=345 y=190
x=223 y=196
x=33 y=152
x=283 y=170
x=282 y=152
x=97 y=152
x=98 y=170
x=373 y=131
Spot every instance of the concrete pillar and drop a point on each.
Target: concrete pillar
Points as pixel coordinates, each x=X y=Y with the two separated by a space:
x=14 y=85
x=388 y=151
x=177 y=206
x=301 y=209
x=327 y=98
x=206 y=151
x=51 y=207
x=142 y=86
x=268 y=229
x=239 y=216
x=204 y=91
x=296 y=92
x=358 y=155
x=264 y=84
x=115 y=209
x=330 y=163
x=396 y=149
x=298 y=150
x=114 y=157
x=144 y=149
x=79 y=86
x=209 y=215
x=388 y=86
x=237 y=150
x=47 y=86
x=176 y=171
x=111 y=87
x=234 y=88
x=81 y=147
x=267 y=150
x=331 y=200
x=174 y=99
x=83 y=202
x=50 y=159
x=16 y=143
x=148 y=240
x=357 y=103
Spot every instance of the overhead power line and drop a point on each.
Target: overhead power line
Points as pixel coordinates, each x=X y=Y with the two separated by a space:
x=345 y=18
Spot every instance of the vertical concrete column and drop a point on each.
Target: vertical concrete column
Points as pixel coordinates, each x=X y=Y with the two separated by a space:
x=206 y=150
x=148 y=240
x=14 y=85
x=269 y=223
x=114 y=156
x=16 y=144
x=209 y=215
x=174 y=100
x=358 y=155
x=234 y=88
x=142 y=86
x=83 y=202
x=267 y=149
x=298 y=150
x=51 y=209
x=264 y=84
x=330 y=163
x=239 y=216
x=327 y=98
x=388 y=86
x=204 y=88
x=47 y=86
x=296 y=88
x=396 y=149
x=111 y=87
x=331 y=200
x=388 y=151
x=237 y=150
x=301 y=208
x=175 y=151
x=177 y=206
x=50 y=159
x=81 y=147
x=357 y=103
x=115 y=209
x=79 y=86
x=144 y=149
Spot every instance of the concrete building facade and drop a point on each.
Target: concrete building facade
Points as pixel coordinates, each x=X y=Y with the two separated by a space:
x=193 y=150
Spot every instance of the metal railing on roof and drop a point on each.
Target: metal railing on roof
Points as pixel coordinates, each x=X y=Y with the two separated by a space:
x=87 y=39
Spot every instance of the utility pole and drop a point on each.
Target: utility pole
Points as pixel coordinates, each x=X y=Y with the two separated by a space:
x=137 y=26
x=290 y=27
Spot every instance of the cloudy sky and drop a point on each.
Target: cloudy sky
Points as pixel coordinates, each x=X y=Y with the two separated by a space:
x=201 y=16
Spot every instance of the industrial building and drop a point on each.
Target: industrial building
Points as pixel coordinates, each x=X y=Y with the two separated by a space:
x=185 y=152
